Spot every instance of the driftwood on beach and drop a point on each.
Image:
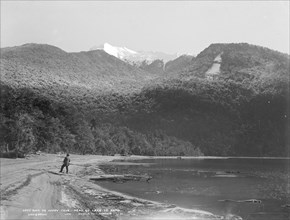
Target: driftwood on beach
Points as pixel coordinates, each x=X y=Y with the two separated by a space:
x=122 y=178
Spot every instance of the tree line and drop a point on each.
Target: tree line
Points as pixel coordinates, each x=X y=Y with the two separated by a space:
x=30 y=122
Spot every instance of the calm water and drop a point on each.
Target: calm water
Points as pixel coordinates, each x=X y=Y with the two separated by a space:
x=219 y=186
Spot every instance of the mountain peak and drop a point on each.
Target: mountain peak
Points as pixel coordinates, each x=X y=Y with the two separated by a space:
x=134 y=57
x=119 y=52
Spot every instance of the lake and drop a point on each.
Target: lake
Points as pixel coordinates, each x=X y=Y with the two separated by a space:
x=254 y=189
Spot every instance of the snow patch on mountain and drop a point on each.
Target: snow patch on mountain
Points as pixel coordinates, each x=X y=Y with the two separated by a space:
x=119 y=52
x=135 y=57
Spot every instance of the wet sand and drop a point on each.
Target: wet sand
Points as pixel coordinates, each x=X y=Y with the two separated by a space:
x=32 y=188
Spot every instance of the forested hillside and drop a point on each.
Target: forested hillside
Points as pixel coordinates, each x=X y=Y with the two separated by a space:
x=31 y=122
x=179 y=64
x=220 y=117
x=91 y=102
x=53 y=72
x=240 y=62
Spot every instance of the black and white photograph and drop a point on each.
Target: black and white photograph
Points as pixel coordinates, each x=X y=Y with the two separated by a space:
x=144 y=110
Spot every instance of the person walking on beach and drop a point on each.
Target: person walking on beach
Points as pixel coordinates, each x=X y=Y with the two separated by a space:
x=65 y=164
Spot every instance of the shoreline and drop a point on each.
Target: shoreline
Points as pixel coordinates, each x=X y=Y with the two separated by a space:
x=33 y=183
x=32 y=188
x=137 y=157
x=155 y=209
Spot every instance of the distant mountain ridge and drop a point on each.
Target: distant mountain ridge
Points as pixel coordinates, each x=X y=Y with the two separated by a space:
x=119 y=52
x=52 y=70
x=238 y=62
x=230 y=100
x=38 y=65
x=134 y=57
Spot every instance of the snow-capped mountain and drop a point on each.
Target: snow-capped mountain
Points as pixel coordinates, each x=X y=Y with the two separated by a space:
x=119 y=52
x=134 y=57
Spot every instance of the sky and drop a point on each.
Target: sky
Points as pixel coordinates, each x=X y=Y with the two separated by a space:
x=166 y=26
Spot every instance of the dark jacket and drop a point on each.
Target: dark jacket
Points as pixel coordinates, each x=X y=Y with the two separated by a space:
x=66 y=161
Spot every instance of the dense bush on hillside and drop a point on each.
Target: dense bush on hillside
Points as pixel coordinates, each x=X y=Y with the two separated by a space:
x=90 y=102
x=179 y=64
x=30 y=122
x=239 y=62
x=220 y=117
x=51 y=71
